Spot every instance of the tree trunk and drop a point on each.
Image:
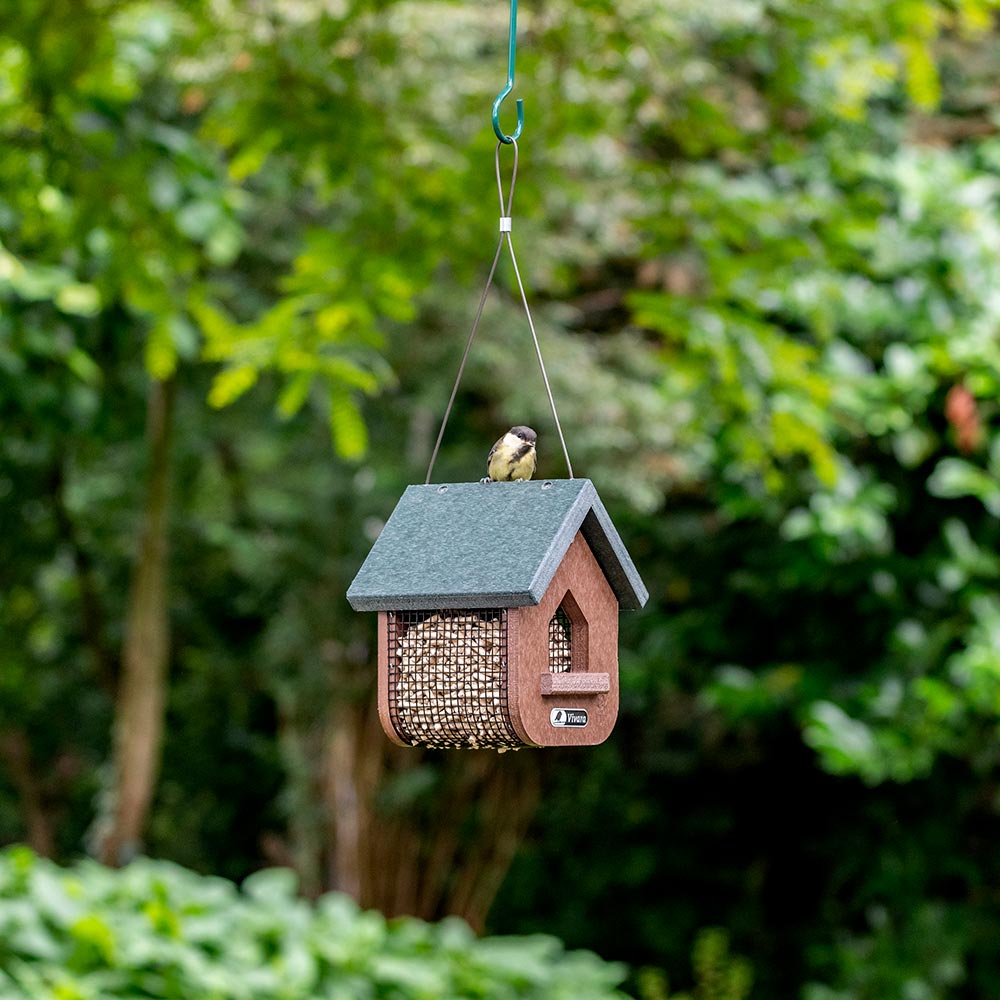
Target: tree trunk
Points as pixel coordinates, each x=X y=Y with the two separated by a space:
x=342 y=799
x=142 y=688
x=15 y=753
x=444 y=852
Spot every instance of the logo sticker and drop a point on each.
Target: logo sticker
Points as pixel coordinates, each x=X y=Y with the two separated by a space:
x=575 y=717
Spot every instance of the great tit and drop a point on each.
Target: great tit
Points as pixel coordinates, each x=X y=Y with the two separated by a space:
x=513 y=456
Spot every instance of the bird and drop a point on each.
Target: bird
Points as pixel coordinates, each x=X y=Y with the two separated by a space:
x=513 y=456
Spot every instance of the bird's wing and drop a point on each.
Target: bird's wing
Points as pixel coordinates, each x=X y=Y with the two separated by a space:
x=493 y=451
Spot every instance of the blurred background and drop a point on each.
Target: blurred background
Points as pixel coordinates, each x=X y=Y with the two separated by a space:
x=241 y=244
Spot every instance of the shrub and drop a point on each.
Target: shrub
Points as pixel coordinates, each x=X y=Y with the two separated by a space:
x=156 y=930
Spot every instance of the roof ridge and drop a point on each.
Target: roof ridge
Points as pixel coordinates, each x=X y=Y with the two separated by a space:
x=562 y=540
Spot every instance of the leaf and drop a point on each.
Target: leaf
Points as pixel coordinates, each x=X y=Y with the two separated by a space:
x=350 y=436
x=224 y=243
x=161 y=354
x=846 y=744
x=922 y=81
x=78 y=300
x=83 y=366
x=218 y=329
x=197 y=219
x=253 y=156
x=96 y=942
x=184 y=336
x=272 y=885
x=351 y=374
x=954 y=477
x=230 y=384
x=295 y=394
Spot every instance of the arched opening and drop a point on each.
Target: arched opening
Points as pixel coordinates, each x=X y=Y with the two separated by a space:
x=568 y=645
x=560 y=642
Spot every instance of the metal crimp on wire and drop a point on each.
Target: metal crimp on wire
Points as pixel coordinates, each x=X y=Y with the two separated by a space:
x=505 y=221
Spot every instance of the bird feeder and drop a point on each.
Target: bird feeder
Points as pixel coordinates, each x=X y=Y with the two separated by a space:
x=498 y=615
x=498 y=602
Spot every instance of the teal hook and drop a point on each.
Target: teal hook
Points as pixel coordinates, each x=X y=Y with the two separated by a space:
x=511 y=56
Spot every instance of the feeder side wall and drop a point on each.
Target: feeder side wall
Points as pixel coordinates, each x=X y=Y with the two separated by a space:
x=581 y=574
x=385 y=717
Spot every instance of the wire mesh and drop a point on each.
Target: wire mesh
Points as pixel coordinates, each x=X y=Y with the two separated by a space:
x=448 y=679
x=560 y=642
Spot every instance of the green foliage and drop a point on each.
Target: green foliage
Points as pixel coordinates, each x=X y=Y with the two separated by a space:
x=718 y=975
x=917 y=954
x=150 y=242
x=761 y=240
x=157 y=930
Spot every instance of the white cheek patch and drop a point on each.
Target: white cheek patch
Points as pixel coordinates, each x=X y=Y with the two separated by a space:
x=512 y=441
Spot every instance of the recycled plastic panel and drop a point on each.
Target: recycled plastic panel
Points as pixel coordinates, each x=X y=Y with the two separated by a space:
x=581 y=589
x=488 y=545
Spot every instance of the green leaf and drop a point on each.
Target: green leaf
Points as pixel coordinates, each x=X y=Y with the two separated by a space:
x=78 y=300
x=161 y=354
x=252 y=157
x=272 y=885
x=83 y=366
x=197 y=219
x=230 y=384
x=954 y=477
x=351 y=374
x=922 y=79
x=350 y=437
x=294 y=394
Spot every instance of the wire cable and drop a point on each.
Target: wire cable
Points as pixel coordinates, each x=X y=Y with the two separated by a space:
x=465 y=357
x=505 y=231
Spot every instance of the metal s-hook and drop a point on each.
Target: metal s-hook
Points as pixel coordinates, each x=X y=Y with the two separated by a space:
x=511 y=55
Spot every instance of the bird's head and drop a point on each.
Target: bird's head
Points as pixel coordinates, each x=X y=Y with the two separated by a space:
x=525 y=434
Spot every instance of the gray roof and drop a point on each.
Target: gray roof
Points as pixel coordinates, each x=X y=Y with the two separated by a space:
x=488 y=545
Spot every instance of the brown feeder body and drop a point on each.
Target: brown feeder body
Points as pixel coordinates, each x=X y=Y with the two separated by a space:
x=528 y=678
x=507 y=676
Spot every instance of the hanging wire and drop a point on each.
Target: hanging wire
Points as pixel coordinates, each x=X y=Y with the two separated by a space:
x=538 y=351
x=505 y=231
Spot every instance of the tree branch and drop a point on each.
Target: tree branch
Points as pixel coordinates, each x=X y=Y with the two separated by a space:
x=143 y=690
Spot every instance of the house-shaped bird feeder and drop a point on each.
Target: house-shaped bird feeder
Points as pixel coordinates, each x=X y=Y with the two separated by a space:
x=498 y=615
